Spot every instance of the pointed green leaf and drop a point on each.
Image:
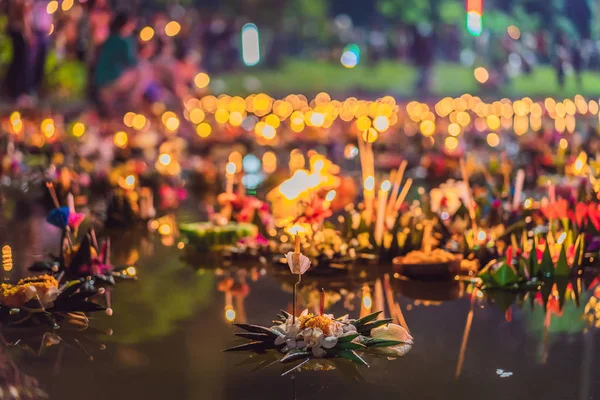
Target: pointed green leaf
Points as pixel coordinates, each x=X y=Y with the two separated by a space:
x=365 y=319
x=294 y=355
x=505 y=275
x=562 y=267
x=547 y=266
x=381 y=342
x=348 y=338
x=372 y=325
x=533 y=265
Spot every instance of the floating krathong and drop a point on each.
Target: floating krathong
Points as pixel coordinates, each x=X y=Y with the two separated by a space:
x=40 y=301
x=85 y=260
x=300 y=339
x=310 y=337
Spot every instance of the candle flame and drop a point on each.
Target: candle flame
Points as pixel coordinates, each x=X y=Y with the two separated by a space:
x=231 y=168
x=369 y=183
x=296 y=229
x=130 y=180
x=330 y=195
x=230 y=314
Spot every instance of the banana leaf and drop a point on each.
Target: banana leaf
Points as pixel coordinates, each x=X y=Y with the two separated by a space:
x=368 y=318
x=505 y=275
x=547 y=265
x=562 y=267
x=294 y=355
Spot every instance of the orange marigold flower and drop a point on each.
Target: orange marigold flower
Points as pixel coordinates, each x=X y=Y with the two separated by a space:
x=321 y=322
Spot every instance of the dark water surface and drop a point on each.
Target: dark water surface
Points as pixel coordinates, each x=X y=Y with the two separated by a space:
x=169 y=330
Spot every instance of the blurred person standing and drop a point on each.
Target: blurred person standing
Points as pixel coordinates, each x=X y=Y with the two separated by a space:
x=561 y=57
x=118 y=76
x=19 y=77
x=422 y=50
x=577 y=61
x=42 y=25
x=99 y=17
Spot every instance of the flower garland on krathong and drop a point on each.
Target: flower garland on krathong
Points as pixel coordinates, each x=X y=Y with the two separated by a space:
x=310 y=336
x=39 y=300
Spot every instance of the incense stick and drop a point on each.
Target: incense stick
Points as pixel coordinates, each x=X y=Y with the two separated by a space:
x=52 y=191
x=396 y=187
x=402 y=195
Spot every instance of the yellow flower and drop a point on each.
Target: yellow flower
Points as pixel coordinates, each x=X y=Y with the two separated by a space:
x=45 y=286
x=303 y=318
x=319 y=322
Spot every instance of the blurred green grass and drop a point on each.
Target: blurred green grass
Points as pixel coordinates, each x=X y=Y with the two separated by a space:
x=395 y=78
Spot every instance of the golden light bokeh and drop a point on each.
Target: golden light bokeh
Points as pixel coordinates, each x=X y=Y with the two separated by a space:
x=201 y=80
x=197 y=116
x=481 y=74
x=78 y=129
x=493 y=140
x=66 y=5
x=514 y=32
x=120 y=139
x=203 y=130
x=147 y=33
x=138 y=122
x=52 y=7
x=172 y=28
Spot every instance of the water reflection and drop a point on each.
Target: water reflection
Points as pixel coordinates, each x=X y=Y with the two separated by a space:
x=170 y=327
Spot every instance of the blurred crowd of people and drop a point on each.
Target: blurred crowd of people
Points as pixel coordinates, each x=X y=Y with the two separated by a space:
x=122 y=66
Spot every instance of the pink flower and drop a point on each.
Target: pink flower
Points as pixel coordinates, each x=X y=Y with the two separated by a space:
x=315 y=212
x=75 y=219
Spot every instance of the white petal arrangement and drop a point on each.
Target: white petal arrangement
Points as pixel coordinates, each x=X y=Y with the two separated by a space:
x=309 y=336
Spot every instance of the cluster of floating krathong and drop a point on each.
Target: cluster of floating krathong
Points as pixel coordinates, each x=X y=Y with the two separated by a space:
x=69 y=283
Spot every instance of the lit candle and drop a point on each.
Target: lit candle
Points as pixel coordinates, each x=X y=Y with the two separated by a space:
x=329 y=198
x=369 y=196
x=397 y=182
x=230 y=174
x=519 y=181
x=427 y=230
x=71 y=202
x=382 y=196
x=296 y=244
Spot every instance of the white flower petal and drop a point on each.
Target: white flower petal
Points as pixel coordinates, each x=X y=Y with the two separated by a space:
x=298 y=263
x=301 y=344
x=330 y=342
x=279 y=340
